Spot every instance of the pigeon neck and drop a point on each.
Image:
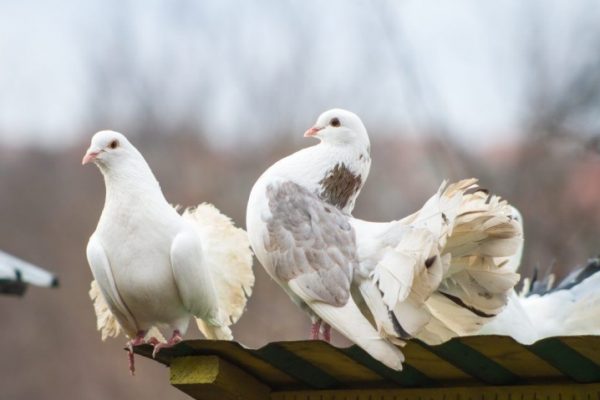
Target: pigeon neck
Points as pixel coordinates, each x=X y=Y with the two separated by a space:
x=132 y=181
x=341 y=181
x=334 y=173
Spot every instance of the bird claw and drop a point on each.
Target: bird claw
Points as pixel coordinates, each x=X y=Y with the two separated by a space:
x=176 y=338
x=320 y=329
x=153 y=341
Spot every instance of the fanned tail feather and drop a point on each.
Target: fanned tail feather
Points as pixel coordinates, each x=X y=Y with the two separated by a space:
x=405 y=277
x=227 y=251
x=485 y=237
x=214 y=332
x=448 y=272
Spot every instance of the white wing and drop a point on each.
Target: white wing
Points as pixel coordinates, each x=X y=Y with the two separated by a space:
x=103 y=275
x=193 y=278
x=570 y=311
x=572 y=308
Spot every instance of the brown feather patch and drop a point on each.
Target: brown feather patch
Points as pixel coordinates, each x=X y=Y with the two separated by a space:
x=339 y=186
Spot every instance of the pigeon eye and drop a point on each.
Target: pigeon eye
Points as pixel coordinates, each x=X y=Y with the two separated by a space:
x=335 y=122
x=114 y=144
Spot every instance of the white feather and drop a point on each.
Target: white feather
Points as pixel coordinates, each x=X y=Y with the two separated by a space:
x=465 y=232
x=567 y=312
x=228 y=257
x=527 y=319
x=350 y=322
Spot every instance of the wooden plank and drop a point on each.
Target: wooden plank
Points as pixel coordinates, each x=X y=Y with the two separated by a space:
x=408 y=377
x=212 y=378
x=588 y=346
x=318 y=366
x=166 y=355
x=537 y=392
x=422 y=359
x=297 y=367
x=236 y=354
x=474 y=363
x=567 y=360
x=514 y=357
x=330 y=359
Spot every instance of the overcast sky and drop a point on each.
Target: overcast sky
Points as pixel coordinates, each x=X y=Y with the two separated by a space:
x=256 y=65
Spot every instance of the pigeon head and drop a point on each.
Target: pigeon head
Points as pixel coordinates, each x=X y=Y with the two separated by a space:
x=339 y=127
x=108 y=148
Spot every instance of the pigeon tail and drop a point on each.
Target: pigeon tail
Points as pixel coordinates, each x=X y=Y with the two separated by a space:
x=405 y=277
x=214 y=332
x=514 y=321
x=484 y=239
x=445 y=270
x=226 y=252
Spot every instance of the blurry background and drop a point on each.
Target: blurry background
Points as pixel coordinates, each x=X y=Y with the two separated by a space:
x=213 y=92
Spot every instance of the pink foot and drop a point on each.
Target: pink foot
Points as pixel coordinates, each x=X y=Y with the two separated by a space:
x=315 y=329
x=327 y=332
x=175 y=338
x=153 y=341
x=136 y=341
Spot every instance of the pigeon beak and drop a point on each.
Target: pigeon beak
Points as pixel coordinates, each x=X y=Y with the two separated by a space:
x=312 y=132
x=89 y=156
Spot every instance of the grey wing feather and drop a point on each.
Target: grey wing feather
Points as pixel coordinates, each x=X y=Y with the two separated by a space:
x=311 y=242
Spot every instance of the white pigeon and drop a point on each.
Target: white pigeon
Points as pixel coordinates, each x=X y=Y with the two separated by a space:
x=432 y=275
x=154 y=268
x=542 y=310
x=569 y=309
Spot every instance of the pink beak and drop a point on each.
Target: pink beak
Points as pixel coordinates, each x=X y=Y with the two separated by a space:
x=312 y=132
x=89 y=157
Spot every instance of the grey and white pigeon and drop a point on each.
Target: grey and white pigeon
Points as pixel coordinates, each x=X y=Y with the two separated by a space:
x=438 y=273
x=155 y=268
